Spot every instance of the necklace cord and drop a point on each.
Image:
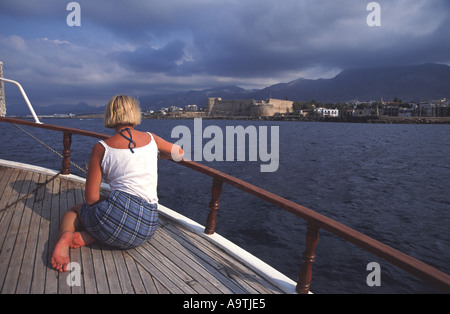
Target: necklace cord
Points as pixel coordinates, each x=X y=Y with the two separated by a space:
x=130 y=139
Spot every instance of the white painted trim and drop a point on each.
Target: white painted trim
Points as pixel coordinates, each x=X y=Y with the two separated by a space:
x=271 y=274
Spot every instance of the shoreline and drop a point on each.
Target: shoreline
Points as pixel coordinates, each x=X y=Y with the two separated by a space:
x=299 y=118
x=289 y=118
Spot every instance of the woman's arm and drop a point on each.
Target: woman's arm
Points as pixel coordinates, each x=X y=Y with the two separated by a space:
x=94 y=176
x=168 y=150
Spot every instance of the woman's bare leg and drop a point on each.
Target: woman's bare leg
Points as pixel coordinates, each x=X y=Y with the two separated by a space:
x=81 y=238
x=68 y=237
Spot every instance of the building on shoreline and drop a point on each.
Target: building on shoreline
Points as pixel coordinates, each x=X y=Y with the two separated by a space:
x=248 y=107
x=324 y=112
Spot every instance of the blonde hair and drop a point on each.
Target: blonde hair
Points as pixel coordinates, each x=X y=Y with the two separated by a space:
x=122 y=109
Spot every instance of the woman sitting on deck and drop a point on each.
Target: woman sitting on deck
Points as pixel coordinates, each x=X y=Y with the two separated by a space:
x=128 y=216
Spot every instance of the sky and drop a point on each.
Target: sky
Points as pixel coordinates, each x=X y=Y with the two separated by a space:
x=146 y=47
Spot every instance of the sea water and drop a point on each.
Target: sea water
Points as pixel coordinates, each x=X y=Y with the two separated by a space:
x=388 y=181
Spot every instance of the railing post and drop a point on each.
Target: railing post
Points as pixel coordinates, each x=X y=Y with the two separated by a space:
x=308 y=257
x=213 y=206
x=67 y=141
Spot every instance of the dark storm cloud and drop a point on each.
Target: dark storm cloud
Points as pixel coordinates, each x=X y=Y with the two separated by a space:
x=267 y=38
x=147 y=46
x=147 y=59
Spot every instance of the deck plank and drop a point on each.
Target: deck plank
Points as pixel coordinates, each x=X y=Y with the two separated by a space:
x=111 y=272
x=183 y=259
x=29 y=258
x=43 y=210
x=99 y=269
x=75 y=254
x=19 y=226
x=90 y=284
x=4 y=184
x=123 y=275
x=175 y=260
x=18 y=256
x=202 y=264
x=229 y=267
x=51 y=279
x=64 y=194
x=165 y=276
x=210 y=264
x=140 y=285
x=150 y=285
x=8 y=196
x=74 y=197
x=12 y=227
x=179 y=269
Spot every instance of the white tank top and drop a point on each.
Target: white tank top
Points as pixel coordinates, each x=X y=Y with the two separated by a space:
x=136 y=173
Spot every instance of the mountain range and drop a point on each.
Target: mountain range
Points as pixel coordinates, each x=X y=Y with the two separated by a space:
x=409 y=83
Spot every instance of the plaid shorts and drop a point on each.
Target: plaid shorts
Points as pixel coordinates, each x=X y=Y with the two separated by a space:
x=122 y=220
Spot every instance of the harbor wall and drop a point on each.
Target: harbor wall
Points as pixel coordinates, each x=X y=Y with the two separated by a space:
x=248 y=107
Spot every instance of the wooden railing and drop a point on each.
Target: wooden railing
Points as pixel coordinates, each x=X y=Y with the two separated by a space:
x=315 y=221
x=67 y=137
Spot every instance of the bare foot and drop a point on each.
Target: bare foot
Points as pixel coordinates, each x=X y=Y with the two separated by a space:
x=60 y=258
x=80 y=239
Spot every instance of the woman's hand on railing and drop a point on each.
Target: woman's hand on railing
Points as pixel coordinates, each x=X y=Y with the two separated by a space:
x=170 y=156
x=168 y=150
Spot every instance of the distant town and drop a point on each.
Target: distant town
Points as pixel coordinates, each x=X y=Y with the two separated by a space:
x=286 y=110
x=394 y=110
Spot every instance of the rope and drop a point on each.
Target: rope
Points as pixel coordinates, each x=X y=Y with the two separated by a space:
x=39 y=185
x=48 y=147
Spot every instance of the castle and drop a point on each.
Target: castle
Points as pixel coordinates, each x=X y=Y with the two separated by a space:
x=248 y=107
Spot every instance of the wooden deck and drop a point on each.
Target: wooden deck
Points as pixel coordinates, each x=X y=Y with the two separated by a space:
x=175 y=261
